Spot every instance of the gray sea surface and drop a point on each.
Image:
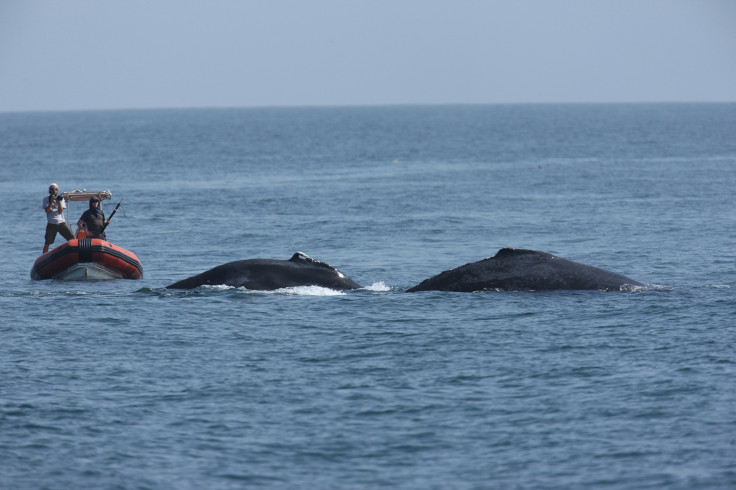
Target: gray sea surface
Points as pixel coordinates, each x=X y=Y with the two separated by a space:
x=125 y=384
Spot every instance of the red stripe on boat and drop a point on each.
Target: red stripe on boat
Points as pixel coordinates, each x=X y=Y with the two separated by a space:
x=73 y=252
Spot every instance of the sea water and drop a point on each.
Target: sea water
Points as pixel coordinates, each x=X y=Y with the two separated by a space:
x=126 y=384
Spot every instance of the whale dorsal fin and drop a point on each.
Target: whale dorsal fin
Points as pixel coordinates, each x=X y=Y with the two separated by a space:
x=302 y=258
x=524 y=254
x=510 y=252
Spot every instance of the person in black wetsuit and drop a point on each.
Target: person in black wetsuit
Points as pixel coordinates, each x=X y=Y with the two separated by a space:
x=93 y=220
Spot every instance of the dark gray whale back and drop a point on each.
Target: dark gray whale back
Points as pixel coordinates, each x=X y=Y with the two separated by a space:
x=269 y=274
x=524 y=270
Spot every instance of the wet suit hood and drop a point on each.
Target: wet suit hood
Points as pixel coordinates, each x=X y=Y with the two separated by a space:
x=95 y=210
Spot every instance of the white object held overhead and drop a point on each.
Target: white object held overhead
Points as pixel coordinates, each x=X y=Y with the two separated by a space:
x=77 y=195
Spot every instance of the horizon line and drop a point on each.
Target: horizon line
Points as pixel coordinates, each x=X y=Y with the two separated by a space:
x=338 y=106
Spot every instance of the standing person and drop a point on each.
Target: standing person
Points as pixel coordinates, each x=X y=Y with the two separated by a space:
x=54 y=207
x=93 y=220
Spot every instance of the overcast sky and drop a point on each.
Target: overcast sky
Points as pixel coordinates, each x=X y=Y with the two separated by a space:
x=103 y=54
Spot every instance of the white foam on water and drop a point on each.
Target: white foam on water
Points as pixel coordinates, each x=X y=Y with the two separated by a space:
x=217 y=287
x=293 y=291
x=378 y=286
x=309 y=291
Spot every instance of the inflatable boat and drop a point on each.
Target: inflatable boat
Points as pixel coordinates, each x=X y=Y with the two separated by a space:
x=87 y=259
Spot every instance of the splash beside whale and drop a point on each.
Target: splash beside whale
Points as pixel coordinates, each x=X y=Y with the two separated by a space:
x=270 y=274
x=525 y=270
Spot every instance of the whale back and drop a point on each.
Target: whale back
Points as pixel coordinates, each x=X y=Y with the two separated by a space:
x=270 y=274
x=524 y=270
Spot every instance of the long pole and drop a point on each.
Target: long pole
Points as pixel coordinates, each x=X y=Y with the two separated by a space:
x=113 y=213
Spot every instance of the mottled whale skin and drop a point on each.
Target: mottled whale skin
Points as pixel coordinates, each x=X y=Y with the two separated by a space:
x=270 y=274
x=524 y=270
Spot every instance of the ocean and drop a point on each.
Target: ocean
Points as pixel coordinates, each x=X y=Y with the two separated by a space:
x=126 y=384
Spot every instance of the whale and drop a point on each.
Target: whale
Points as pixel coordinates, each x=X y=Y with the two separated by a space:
x=270 y=274
x=525 y=270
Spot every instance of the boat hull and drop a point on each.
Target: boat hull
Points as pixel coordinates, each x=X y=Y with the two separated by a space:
x=87 y=259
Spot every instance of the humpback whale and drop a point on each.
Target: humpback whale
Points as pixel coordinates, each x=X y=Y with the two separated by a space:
x=269 y=274
x=524 y=270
